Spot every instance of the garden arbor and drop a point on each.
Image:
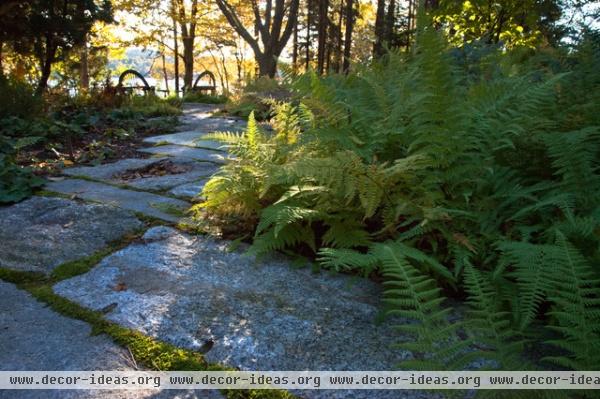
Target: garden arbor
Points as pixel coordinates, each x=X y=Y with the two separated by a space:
x=132 y=82
x=205 y=82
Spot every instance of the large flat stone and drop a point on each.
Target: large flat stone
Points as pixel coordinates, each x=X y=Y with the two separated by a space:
x=41 y=233
x=260 y=316
x=108 y=170
x=202 y=126
x=190 y=138
x=189 y=190
x=185 y=152
x=146 y=203
x=200 y=109
x=33 y=337
x=123 y=172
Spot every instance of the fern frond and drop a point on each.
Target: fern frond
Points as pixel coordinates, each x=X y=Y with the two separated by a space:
x=576 y=299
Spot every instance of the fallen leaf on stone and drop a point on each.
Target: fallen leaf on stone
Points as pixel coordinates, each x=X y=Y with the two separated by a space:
x=120 y=287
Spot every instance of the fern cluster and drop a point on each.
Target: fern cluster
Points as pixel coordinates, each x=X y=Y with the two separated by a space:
x=447 y=185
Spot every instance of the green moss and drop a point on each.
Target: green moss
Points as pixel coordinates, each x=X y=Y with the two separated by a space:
x=146 y=351
x=21 y=277
x=169 y=209
x=46 y=193
x=77 y=267
x=151 y=221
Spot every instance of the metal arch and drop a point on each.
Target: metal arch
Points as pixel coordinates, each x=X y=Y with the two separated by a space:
x=211 y=76
x=146 y=87
x=135 y=73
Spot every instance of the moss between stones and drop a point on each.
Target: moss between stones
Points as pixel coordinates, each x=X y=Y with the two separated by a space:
x=169 y=209
x=146 y=351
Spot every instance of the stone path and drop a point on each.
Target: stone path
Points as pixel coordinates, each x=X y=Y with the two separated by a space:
x=41 y=233
x=32 y=337
x=190 y=291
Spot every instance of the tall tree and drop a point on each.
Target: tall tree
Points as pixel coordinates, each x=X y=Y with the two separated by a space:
x=350 y=18
x=52 y=28
x=187 y=26
x=379 y=29
x=309 y=4
x=269 y=22
x=323 y=24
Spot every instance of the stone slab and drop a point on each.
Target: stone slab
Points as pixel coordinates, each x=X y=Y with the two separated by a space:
x=112 y=172
x=33 y=337
x=147 y=203
x=185 y=152
x=197 y=130
x=189 y=190
x=43 y=232
x=190 y=138
x=200 y=109
x=108 y=170
x=193 y=291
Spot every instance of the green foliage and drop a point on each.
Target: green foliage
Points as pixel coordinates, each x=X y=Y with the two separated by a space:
x=18 y=99
x=258 y=97
x=150 y=106
x=448 y=181
x=16 y=182
x=198 y=97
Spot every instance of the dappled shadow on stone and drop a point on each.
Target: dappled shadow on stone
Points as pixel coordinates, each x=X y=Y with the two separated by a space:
x=265 y=315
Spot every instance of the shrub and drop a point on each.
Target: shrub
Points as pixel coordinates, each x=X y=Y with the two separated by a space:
x=16 y=182
x=197 y=97
x=151 y=106
x=257 y=97
x=18 y=99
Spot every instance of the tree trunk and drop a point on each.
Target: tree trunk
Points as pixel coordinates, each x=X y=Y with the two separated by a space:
x=176 y=54
x=188 y=62
x=308 y=25
x=294 y=49
x=267 y=65
x=46 y=66
x=379 y=29
x=219 y=74
x=84 y=72
x=322 y=38
x=225 y=73
x=165 y=75
x=273 y=33
x=338 y=49
x=1 y=66
x=390 y=22
x=409 y=24
x=348 y=34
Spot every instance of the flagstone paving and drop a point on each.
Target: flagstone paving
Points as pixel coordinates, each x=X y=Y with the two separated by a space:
x=41 y=233
x=132 y=172
x=33 y=337
x=191 y=291
x=189 y=190
x=185 y=152
x=194 y=135
x=150 y=204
